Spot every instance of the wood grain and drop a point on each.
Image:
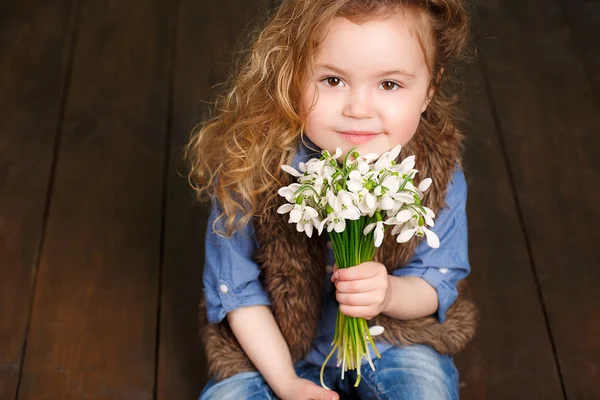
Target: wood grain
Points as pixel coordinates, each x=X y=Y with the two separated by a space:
x=93 y=327
x=35 y=38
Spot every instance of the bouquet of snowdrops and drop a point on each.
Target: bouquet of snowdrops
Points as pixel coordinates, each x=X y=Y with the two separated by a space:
x=355 y=200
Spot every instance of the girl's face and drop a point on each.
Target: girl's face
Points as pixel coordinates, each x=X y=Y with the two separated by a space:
x=372 y=84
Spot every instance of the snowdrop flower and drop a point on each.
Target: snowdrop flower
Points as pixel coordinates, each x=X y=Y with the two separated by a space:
x=367 y=202
x=288 y=191
x=355 y=181
x=386 y=159
x=305 y=217
x=328 y=155
x=416 y=226
x=406 y=167
x=343 y=205
x=315 y=167
x=378 y=234
x=391 y=183
x=362 y=166
x=333 y=222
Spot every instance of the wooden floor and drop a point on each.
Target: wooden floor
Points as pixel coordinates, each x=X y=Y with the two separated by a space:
x=101 y=249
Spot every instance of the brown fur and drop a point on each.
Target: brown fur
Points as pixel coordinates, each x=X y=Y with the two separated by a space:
x=293 y=266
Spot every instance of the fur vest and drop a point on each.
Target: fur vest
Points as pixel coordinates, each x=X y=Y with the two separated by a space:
x=293 y=267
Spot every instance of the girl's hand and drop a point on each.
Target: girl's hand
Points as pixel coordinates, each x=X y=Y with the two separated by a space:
x=303 y=389
x=362 y=290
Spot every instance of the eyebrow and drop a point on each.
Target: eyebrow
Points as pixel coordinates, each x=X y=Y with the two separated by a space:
x=378 y=75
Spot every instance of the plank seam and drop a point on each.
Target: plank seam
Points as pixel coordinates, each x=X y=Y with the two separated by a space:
x=73 y=33
x=504 y=151
x=172 y=51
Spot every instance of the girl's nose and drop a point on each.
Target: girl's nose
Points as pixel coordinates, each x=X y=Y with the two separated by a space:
x=358 y=105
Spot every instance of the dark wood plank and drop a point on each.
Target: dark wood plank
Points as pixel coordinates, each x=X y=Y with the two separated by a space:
x=549 y=123
x=583 y=17
x=511 y=356
x=94 y=320
x=208 y=35
x=34 y=40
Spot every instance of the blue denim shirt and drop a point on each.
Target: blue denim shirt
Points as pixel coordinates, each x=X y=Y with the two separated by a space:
x=231 y=276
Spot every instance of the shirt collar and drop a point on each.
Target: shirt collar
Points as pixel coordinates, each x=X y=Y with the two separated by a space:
x=305 y=150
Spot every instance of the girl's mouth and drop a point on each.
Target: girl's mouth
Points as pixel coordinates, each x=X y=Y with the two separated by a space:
x=358 y=137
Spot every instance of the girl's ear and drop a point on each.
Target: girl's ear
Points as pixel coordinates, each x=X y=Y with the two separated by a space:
x=432 y=91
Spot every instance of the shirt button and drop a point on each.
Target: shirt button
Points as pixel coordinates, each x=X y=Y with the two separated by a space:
x=444 y=270
x=224 y=289
x=328 y=269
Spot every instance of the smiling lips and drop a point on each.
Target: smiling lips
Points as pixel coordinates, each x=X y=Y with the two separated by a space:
x=358 y=137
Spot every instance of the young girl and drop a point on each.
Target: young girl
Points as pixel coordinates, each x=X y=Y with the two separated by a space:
x=324 y=74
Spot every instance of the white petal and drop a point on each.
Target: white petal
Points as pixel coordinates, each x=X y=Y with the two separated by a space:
x=392 y=183
x=309 y=213
x=355 y=175
x=378 y=234
x=428 y=220
x=376 y=330
x=345 y=198
x=371 y=157
x=285 y=208
x=352 y=213
x=328 y=170
x=370 y=200
x=291 y=170
x=429 y=212
x=369 y=228
x=354 y=186
x=406 y=235
x=308 y=228
x=338 y=152
x=333 y=202
x=404 y=197
x=321 y=225
x=425 y=183
x=288 y=191
x=296 y=214
x=340 y=226
x=387 y=203
x=363 y=167
x=391 y=221
x=316 y=167
x=404 y=215
x=394 y=152
x=407 y=164
x=432 y=239
x=365 y=208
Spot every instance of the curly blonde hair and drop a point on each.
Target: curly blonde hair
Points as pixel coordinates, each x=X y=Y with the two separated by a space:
x=236 y=154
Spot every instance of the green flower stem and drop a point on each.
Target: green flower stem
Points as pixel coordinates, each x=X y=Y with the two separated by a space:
x=352 y=337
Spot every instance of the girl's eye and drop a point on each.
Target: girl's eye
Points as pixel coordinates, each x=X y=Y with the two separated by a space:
x=333 y=81
x=389 y=85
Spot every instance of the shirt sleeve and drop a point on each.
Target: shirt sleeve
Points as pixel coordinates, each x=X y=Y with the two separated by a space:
x=231 y=277
x=443 y=267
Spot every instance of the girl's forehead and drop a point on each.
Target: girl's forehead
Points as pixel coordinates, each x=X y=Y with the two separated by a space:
x=392 y=42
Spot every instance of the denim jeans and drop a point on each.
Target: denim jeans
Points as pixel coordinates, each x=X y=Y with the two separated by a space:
x=404 y=373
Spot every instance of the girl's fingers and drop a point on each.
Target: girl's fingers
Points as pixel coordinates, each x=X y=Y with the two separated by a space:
x=335 y=268
x=357 y=286
x=360 y=299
